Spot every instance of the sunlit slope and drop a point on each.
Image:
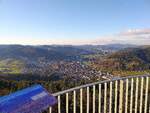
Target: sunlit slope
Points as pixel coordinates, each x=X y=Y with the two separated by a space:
x=128 y=60
x=11 y=66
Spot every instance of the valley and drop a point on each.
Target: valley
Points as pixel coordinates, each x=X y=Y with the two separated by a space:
x=54 y=66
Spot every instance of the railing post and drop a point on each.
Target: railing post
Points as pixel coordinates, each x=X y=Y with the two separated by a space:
x=149 y=108
x=74 y=101
x=116 y=96
x=121 y=96
x=99 y=99
x=126 y=99
x=59 y=104
x=50 y=109
x=131 y=96
x=81 y=100
x=67 y=103
x=146 y=95
x=110 y=99
x=87 y=109
x=141 y=95
x=94 y=99
x=105 y=98
x=136 y=94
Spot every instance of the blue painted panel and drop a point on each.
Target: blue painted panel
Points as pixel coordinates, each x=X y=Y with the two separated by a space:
x=30 y=100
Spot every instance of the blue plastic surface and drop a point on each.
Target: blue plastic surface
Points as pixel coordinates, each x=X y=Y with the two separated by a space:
x=30 y=100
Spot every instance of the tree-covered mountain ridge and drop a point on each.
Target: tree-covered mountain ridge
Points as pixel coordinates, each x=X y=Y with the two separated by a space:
x=131 y=59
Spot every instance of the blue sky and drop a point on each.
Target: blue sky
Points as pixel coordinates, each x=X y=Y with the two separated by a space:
x=73 y=21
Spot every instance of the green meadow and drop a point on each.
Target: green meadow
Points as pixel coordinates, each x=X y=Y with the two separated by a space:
x=11 y=66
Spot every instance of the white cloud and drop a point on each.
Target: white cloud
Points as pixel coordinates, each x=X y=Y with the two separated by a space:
x=131 y=32
x=135 y=36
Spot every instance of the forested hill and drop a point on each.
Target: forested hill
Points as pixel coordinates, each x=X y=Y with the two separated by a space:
x=37 y=52
x=133 y=59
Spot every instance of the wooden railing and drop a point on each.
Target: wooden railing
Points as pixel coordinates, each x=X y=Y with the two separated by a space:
x=121 y=95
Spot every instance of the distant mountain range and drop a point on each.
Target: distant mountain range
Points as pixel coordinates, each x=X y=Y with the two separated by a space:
x=54 y=52
x=109 y=47
x=33 y=53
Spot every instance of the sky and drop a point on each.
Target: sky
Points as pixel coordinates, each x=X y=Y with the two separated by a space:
x=74 y=22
